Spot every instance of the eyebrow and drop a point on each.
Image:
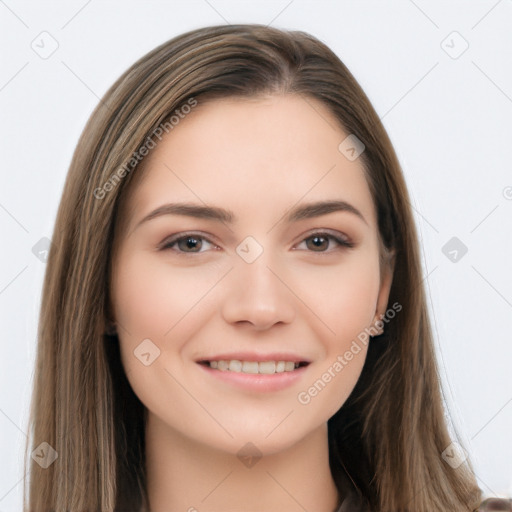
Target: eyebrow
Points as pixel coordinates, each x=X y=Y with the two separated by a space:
x=215 y=213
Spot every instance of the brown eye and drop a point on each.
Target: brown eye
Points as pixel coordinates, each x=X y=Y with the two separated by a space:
x=319 y=242
x=188 y=243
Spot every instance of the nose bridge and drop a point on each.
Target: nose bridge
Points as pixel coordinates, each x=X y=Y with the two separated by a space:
x=258 y=277
x=256 y=293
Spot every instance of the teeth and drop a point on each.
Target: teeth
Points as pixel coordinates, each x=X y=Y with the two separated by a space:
x=223 y=365
x=245 y=367
x=288 y=367
x=264 y=367
x=267 y=367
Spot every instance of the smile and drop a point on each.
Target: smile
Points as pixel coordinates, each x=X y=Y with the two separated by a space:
x=254 y=367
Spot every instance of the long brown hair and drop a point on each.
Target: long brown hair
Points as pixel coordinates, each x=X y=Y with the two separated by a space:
x=386 y=441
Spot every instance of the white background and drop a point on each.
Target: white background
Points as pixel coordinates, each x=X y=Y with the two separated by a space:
x=448 y=118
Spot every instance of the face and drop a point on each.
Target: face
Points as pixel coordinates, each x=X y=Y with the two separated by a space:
x=247 y=273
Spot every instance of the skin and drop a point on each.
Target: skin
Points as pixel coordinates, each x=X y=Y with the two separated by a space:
x=257 y=158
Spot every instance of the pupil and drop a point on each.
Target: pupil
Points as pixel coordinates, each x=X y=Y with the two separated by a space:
x=190 y=242
x=318 y=241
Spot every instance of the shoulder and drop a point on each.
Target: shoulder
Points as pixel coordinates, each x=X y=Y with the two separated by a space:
x=495 y=504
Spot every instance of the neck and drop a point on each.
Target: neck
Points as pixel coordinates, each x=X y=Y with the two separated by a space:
x=185 y=475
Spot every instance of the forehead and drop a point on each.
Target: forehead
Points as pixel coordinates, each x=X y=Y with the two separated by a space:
x=248 y=153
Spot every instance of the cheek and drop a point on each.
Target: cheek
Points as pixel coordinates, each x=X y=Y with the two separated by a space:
x=137 y=296
x=153 y=301
x=150 y=297
x=343 y=297
x=156 y=301
x=344 y=300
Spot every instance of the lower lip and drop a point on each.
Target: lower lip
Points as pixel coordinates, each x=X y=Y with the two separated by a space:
x=257 y=381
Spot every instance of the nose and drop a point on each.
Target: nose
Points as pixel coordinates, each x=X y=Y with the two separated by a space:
x=257 y=295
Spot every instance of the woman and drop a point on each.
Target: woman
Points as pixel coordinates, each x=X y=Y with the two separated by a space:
x=233 y=313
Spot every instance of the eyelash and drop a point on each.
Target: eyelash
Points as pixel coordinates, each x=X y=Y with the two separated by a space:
x=167 y=245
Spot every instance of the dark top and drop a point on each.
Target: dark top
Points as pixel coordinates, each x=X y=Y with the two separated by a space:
x=352 y=504
x=495 y=504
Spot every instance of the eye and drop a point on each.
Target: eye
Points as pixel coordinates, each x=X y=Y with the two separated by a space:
x=192 y=243
x=188 y=243
x=320 y=241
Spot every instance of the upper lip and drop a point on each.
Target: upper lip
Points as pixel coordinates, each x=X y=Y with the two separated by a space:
x=253 y=356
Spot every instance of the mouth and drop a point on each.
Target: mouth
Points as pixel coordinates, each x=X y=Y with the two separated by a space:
x=253 y=367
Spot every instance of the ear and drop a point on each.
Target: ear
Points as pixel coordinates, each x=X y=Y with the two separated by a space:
x=386 y=280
